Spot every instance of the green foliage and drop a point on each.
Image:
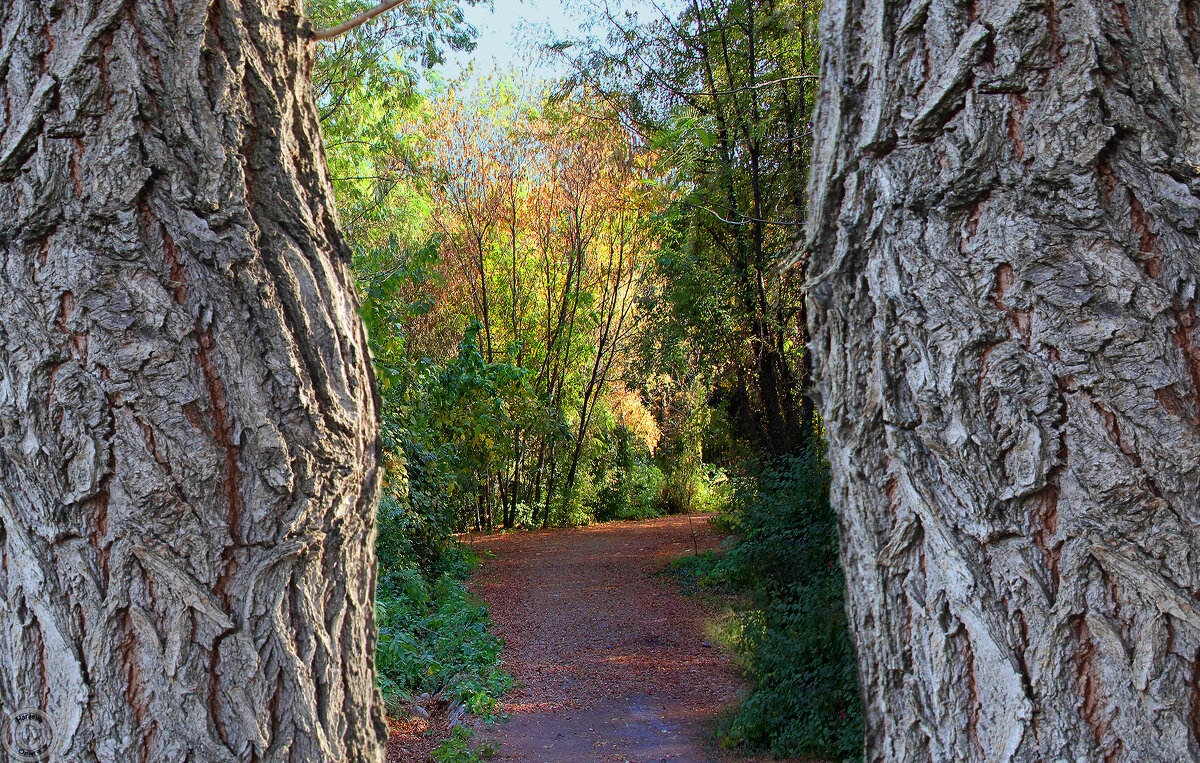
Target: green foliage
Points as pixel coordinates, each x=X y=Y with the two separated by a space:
x=495 y=255
x=625 y=483
x=456 y=749
x=796 y=641
x=722 y=90
x=433 y=637
x=366 y=88
x=793 y=637
x=416 y=513
x=704 y=570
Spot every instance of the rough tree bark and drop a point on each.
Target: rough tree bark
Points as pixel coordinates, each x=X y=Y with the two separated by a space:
x=188 y=442
x=1004 y=266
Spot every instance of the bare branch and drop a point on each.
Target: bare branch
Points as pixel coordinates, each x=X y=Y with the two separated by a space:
x=745 y=220
x=357 y=21
x=757 y=85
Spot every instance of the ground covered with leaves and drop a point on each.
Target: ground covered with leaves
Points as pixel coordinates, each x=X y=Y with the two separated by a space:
x=611 y=660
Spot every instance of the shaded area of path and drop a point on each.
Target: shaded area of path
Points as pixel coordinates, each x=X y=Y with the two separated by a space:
x=611 y=660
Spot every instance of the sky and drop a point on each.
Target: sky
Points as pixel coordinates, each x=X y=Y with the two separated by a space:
x=509 y=26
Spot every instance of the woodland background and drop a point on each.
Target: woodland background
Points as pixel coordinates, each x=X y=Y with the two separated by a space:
x=576 y=314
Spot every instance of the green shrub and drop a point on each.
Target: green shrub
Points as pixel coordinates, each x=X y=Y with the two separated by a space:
x=629 y=484
x=805 y=698
x=457 y=749
x=705 y=569
x=434 y=637
x=791 y=635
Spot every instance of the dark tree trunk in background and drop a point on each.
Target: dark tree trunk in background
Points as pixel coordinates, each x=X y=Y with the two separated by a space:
x=1005 y=260
x=188 y=443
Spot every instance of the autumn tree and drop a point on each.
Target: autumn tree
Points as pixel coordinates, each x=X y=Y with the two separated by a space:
x=188 y=443
x=1003 y=228
x=545 y=222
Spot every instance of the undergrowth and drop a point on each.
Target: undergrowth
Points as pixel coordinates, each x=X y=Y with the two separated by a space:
x=457 y=749
x=703 y=571
x=434 y=637
x=791 y=633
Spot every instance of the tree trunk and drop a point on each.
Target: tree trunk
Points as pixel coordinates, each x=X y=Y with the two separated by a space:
x=1003 y=243
x=188 y=441
x=549 y=489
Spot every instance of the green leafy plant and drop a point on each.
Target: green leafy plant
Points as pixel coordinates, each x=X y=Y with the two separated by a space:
x=457 y=749
x=695 y=572
x=434 y=638
x=799 y=656
x=791 y=634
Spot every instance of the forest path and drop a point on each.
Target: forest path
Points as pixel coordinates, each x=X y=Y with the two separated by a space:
x=611 y=660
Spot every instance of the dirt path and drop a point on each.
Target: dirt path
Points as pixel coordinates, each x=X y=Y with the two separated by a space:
x=611 y=660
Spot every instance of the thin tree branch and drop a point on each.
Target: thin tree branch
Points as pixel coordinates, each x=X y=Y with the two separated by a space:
x=745 y=219
x=357 y=21
x=756 y=86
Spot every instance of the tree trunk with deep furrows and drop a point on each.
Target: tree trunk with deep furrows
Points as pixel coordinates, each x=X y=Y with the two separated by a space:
x=1004 y=265
x=188 y=441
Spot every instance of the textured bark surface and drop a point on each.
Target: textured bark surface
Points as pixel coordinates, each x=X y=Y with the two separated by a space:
x=1004 y=263
x=188 y=443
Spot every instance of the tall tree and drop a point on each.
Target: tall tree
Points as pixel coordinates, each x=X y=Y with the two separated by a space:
x=721 y=88
x=188 y=443
x=1003 y=273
